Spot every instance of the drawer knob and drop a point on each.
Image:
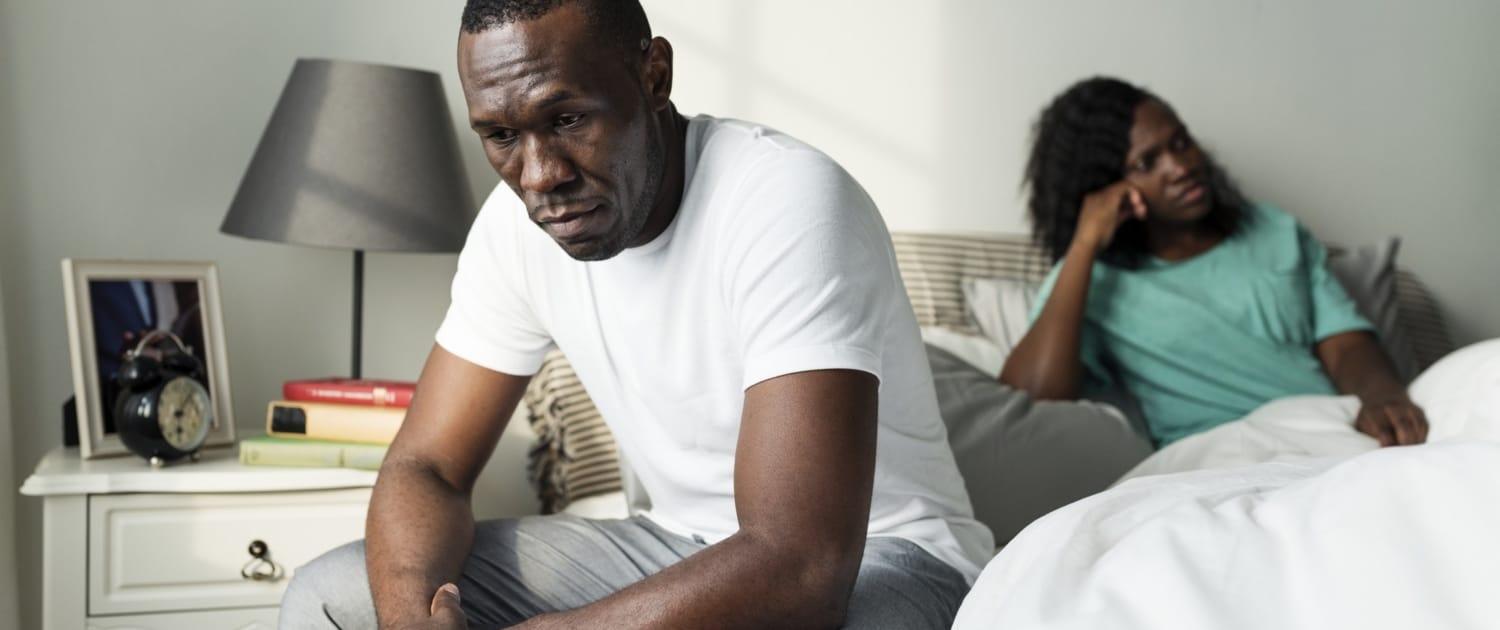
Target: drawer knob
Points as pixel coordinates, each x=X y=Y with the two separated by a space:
x=260 y=567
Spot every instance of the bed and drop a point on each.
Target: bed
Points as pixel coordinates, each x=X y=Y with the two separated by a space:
x=1038 y=473
x=964 y=290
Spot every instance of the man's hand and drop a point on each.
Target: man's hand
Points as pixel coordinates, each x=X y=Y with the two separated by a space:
x=804 y=473
x=447 y=614
x=1398 y=422
x=420 y=524
x=1104 y=211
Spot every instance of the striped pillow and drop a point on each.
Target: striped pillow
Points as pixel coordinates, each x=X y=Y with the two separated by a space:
x=574 y=456
x=1418 y=314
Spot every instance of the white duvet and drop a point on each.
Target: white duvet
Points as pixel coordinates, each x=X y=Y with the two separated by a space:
x=1286 y=520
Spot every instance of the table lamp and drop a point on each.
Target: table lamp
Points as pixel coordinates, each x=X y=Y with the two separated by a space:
x=357 y=156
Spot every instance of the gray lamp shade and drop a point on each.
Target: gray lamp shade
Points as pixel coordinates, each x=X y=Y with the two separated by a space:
x=357 y=156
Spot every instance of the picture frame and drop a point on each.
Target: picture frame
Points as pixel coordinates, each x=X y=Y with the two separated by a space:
x=112 y=303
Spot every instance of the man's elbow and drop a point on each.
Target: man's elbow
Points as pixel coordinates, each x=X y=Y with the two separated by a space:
x=823 y=581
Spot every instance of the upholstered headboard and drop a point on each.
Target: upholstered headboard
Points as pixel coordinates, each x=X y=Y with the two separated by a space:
x=574 y=456
x=933 y=267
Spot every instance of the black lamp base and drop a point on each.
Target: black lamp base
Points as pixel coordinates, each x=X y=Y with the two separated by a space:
x=359 y=301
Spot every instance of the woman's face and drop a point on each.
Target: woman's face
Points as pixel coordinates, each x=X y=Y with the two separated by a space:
x=1166 y=166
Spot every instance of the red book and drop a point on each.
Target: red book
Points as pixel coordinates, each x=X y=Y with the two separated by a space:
x=348 y=391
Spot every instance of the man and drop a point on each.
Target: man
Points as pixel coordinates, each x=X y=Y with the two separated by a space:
x=730 y=299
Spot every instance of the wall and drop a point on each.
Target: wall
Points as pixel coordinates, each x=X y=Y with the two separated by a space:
x=8 y=601
x=9 y=613
x=127 y=126
x=1364 y=118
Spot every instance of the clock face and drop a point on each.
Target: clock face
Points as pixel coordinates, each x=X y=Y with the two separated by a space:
x=184 y=413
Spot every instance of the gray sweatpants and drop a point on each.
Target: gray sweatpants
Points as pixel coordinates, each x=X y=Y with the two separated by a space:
x=519 y=568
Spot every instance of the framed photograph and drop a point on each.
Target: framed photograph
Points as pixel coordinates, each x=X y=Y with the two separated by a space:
x=114 y=305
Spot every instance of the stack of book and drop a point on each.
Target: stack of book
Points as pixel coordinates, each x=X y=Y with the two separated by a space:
x=330 y=422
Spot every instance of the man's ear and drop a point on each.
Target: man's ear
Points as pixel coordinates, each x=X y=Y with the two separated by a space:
x=658 y=70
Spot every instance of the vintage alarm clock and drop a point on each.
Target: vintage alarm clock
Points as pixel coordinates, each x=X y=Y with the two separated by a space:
x=163 y=411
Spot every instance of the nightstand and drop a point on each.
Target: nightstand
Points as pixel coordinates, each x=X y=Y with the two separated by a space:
x=128 y=546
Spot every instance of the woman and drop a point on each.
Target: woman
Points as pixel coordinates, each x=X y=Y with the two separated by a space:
x=1170 y=285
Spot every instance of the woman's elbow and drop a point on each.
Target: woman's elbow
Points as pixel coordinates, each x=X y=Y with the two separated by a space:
x=1038 y=386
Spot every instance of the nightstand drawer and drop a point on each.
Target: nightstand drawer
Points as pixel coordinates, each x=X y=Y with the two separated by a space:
x=177 y=552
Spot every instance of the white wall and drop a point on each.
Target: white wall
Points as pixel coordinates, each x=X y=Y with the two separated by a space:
x=1364 y=118
x=126 y=126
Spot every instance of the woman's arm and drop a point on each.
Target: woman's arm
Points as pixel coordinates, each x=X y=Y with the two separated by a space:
x=1046 y=362
x=1358 y=367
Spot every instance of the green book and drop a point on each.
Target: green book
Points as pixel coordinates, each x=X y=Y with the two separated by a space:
x=265 y=450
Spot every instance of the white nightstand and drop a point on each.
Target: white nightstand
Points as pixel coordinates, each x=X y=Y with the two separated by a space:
x=127 y=546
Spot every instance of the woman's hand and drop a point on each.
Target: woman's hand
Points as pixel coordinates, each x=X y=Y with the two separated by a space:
x=1357 y=366
x=1396 y=422
x=1104 y=211
x=1045 y=363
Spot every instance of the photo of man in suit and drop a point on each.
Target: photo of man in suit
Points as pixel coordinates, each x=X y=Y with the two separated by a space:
x=125 y=311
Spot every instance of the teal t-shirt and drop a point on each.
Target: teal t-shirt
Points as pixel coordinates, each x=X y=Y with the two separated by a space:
x=1204 y=341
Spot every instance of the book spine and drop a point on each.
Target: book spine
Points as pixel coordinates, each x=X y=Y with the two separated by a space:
x=274 y=451
x=363 y=456
x=260 y=453
x=376 y=395
x=328 y=421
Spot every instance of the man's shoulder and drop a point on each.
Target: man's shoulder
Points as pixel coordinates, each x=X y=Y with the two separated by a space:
x=727 y=146
x=742 y=134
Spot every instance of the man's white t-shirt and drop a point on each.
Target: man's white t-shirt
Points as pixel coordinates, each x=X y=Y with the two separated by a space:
x=777 y=262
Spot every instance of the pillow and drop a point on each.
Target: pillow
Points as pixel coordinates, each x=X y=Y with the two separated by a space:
x=976 y=350
x=1368 y=273
x=1021 y=459
x=574 y=456
x=1001 y=307
x=610 y=505
x=1461 y=394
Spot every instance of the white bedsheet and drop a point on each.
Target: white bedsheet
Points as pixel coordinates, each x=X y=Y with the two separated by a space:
x=1460 y=395
x=1287 y=520
x=1393 y=538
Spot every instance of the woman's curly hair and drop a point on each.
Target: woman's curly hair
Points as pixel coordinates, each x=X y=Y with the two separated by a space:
x=1079 y=146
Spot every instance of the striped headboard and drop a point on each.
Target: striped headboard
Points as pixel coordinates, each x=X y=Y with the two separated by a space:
x=574 y=456
x=933 y=267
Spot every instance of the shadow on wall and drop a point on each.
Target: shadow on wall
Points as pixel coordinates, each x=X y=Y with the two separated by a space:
x=863 y=93
x=8 y=566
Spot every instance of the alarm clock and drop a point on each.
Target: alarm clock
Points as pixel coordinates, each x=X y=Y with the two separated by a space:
x=163 y=412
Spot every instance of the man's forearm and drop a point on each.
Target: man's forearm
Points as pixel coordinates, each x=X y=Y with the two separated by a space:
x=745 y=581
x=418 y=534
